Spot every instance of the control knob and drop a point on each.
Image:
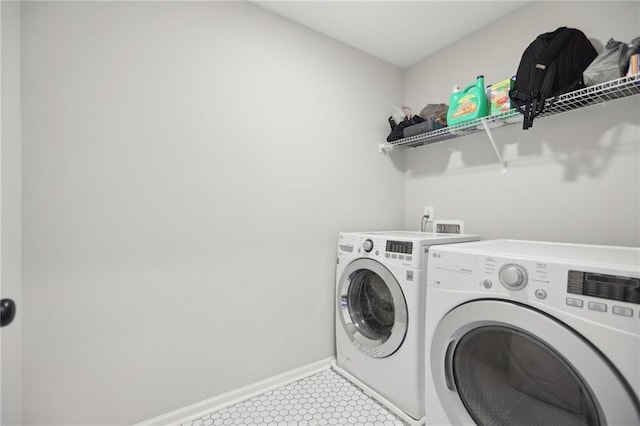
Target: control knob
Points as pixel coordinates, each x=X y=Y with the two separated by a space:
x=513 y=277
x=367 y=245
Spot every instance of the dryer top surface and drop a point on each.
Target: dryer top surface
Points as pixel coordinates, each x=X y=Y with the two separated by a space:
x=613 y=256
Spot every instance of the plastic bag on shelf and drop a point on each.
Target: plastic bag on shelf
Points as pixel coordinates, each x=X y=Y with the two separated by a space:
x=436 y=113
x=611 y=63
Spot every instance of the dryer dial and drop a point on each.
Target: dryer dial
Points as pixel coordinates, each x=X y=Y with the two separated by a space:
x=513 y=277
x=367 y=245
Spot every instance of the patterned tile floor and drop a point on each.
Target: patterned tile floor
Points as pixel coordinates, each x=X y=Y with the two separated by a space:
x=325 y=398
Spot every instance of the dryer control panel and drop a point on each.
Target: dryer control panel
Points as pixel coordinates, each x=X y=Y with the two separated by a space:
x=597 y=283
x=624 y=289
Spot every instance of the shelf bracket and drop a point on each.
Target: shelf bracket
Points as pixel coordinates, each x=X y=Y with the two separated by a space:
x=503 y=165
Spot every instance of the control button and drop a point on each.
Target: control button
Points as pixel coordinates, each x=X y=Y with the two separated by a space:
x=572 y=301
x=387 y=255
x=409 y=275
x=401 y=256
x=597 y=306
x=487 y=283
x=408 y=257
x=541 y=294
x=513 y=277
x=367 y=245
x=621 y=310
x=377 y=252
x=394 y=256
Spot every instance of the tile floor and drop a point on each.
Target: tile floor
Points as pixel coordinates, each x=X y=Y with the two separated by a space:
x=325 y=398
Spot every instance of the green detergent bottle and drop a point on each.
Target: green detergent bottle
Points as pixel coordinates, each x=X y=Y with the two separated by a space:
x=468 y=104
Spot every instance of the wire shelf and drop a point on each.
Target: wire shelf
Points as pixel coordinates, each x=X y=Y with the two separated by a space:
x=592 y=95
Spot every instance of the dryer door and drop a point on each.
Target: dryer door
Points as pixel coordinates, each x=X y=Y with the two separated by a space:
x=372 y=308
x=524 y=367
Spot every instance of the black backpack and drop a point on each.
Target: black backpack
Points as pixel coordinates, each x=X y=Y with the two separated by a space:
x=550 y=66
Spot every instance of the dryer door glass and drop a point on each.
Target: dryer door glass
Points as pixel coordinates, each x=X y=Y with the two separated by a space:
x=505 y=376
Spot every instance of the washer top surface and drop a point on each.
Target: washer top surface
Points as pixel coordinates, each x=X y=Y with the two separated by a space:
x=428 y=237
x=625 y=257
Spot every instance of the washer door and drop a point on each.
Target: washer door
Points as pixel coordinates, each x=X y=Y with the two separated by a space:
x=372 y=308
x=524 y=368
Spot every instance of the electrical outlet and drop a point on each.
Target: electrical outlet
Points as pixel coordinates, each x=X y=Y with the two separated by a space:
x=428 y=211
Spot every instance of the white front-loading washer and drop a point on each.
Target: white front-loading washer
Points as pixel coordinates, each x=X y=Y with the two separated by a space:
x=380 y=300
x=533 y=333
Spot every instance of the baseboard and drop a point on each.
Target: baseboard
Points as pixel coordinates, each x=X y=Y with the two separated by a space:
x=367 y=390
x=184 y=414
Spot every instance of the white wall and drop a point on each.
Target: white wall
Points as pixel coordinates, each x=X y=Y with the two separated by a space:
x=187 y=167
x=11 y=154
x=573 y=177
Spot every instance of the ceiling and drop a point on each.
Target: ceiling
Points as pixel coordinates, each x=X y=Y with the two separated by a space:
x=399 y=32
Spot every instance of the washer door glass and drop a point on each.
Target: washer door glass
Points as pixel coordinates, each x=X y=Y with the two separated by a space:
x=505 y=376
x=371 y=305
x=372 y=308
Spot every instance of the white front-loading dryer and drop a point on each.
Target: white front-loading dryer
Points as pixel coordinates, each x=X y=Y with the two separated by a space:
x=533 y=333
x=380 y=301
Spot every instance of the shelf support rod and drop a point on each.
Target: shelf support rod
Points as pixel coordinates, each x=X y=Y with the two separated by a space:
x=503 y=165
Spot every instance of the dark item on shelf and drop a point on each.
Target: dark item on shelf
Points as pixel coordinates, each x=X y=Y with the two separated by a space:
x=428 y=125
x=610 y=64
x=550 y=66
x=397 y=129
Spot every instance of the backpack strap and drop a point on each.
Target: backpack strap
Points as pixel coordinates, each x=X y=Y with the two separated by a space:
x=550 y=52
x=529 y=113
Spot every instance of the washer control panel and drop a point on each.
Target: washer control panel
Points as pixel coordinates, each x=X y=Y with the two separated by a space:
x=402 y=247
x=400 y=250
x=405 y=253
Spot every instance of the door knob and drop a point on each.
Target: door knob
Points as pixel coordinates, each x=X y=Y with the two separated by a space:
x=7 y=311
